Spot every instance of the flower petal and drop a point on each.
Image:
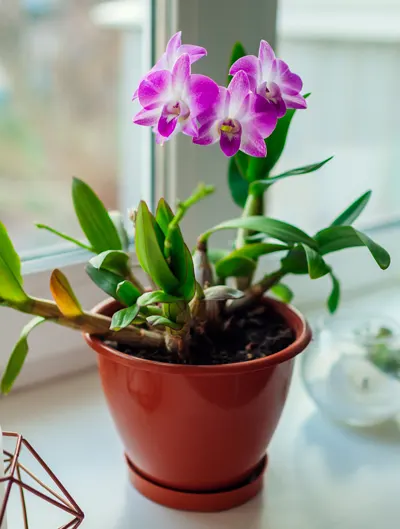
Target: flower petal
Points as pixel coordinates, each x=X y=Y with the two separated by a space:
x=295 y=101
x=195 y=52
x=202 y=93
x=238 y=89
x=252 y=142
x=249 y=64
x=230 y=143
x=208 y=133
x=154 y=88
x=263 y=116
x=147 y=117
x=267 y=56
x=172 y=48
x=290 y=83
x=167 y=122
x=181 y=72
x=190 y=128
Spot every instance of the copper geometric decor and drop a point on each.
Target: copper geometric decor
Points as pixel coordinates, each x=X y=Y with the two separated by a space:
x=17 y=477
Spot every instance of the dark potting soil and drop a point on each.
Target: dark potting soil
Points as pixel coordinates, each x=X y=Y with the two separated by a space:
x=241 y=338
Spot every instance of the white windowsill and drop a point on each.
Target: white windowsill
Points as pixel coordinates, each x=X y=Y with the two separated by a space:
x=320 y=475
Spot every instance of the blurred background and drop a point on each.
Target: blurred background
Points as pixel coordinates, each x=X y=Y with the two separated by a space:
x=64 y=78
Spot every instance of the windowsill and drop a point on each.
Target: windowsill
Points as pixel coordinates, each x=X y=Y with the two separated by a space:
x=320 y=475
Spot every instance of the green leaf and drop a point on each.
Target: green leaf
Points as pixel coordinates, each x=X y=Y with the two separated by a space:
x=118 y=221
x=115 y=261
x=124 y=317
x=350 y=214
x=221 y=293
x=334 y=296
x=165 y=322
x=65 y=237
x=276 y=229
x=283 y=292
x=238 y=186
x=94 y=219
x=260 y=186
x=338 y=238
x=105 y=280
x=215 y=254
x=235 y=266
x=259 y=168
x=178 y=257
x=254 y=251
x=18 y=356
x=149 y=252
x=238 y=51
x=127 y=293
x=316 y=265
x=157 y=296
x=295 y=262
x=10 y=270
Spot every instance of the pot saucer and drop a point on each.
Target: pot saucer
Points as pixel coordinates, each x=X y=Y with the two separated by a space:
x=209 y=501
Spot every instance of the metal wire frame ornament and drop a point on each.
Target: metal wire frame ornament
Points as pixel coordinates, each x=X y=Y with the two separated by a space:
x=14 y=472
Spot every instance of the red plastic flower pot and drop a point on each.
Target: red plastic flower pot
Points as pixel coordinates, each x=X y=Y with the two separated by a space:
x=196 y=437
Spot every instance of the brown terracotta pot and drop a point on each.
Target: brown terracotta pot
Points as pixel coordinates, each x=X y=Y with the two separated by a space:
x=196 y=436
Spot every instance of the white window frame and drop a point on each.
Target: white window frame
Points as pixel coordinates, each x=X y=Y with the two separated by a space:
x=178 y=167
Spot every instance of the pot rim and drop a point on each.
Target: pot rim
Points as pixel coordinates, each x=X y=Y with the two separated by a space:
x=292 y=316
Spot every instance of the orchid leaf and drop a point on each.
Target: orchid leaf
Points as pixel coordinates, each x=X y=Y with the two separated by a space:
x=127 y=293
x=238 y=185
x=94 y=219
x=283 y=292
x=150 y=253
x=260 y=168
x=350 y=214
x=222 y=293
x=334 y=296
x=260 y=186
x=124 y=317
x=118 y=221
x=115 y=261
x=157 y=296
x=276 y=229
x=107 y=281
x=65 y=237
x=163 y=321
x=254 y=251
x=178 y=257
x=63 y=295
x=235 y=266
x=10 y=270
x=337 y=238
x=316 y=265
x=18 y=356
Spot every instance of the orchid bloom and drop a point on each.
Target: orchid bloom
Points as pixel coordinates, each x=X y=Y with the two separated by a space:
x=174 y=50
x=172 y=101
x=240 y=120
x=272 y=79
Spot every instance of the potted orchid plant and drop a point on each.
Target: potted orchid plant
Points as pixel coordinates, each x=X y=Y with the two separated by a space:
x=196 y=369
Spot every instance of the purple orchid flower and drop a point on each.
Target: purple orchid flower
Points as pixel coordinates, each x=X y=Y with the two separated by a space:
x=172 y=101
x=174 y=50
x=271 y=78
x=240 y=120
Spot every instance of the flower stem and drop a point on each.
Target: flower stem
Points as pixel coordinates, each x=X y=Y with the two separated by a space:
x=198 y=194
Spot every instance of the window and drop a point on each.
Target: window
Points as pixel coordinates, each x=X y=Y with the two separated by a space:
x=67 y=70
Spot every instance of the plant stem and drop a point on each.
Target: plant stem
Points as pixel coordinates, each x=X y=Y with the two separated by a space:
x=255 y=292
x=91 y=323
x=198 y=194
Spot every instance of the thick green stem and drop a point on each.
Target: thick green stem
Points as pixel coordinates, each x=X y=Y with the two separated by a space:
x=96 y=324
x=255 y=292
x=198 y=194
